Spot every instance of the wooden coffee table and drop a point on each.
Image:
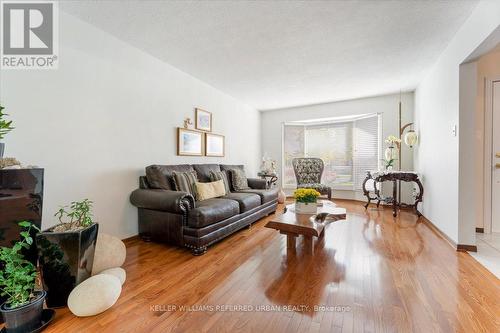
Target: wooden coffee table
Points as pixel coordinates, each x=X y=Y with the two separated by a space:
x=292 y=225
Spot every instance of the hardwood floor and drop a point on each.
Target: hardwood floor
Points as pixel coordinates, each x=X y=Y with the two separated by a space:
x=381 y=274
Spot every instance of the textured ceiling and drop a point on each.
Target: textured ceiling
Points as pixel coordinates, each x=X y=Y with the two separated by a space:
x=274 y=54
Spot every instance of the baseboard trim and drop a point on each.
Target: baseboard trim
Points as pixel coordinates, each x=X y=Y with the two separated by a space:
x=466 y=248
x=437 y=231
x=480 y=230
x=130 y=239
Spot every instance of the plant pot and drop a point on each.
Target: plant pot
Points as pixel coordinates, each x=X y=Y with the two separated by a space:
x=24 y=318
x=2 y=149
x=306 y=207
x=2 y=300
x=66 y=260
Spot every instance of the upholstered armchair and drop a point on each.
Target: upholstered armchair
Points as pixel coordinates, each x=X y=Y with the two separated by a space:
x=308 y=172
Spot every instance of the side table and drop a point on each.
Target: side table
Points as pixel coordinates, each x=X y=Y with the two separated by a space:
x=271 y=178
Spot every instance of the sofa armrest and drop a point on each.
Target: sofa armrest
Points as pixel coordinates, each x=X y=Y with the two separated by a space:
x=169 y=201
x=257 y=183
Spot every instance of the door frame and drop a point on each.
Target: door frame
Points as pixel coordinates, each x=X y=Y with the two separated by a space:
x=488 y=150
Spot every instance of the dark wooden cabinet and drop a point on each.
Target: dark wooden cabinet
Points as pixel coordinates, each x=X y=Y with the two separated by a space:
x=21 y=198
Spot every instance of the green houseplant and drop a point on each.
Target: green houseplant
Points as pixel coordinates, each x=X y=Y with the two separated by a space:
x=66 y=251
x=22 y=312
x=5 y=127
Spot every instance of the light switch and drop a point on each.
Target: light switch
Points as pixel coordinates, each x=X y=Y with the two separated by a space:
x=454 y=130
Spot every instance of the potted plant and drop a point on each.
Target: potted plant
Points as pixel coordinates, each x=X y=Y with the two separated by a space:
x=5 y=127
x=306 y=200
x=391 y=152
x=389 y=163
x=22 y=312
x=66 y=251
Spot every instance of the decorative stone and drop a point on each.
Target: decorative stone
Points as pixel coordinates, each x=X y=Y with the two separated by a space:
x=116 y=272
x=110 y=252
x=94 y=295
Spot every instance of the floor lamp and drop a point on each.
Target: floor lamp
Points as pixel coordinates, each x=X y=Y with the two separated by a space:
x=410 y=139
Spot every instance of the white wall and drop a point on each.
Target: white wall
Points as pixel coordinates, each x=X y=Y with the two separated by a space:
x=106 y=113
x=387 y=105
x=488 y=67
x=436 y=112
x=467 y=162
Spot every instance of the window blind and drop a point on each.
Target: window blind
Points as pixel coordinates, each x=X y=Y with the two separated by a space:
x=348 y=149
x=367 y=151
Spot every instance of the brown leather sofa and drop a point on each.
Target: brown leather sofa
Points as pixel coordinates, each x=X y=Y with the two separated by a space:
x=174 y=217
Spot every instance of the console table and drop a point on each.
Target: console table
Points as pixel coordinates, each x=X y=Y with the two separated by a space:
x=271 y=178
x=394 y=177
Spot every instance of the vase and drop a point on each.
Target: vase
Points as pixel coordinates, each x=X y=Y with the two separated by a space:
x=281 y=196
x=306 y=207
x=2 y=148
x=66 y=259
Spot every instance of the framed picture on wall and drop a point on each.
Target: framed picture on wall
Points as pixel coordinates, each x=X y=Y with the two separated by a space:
x=214 y=145
x=189 y=142
x=203 y=120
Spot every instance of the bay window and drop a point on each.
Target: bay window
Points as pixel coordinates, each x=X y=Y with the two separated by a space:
x=348 y=146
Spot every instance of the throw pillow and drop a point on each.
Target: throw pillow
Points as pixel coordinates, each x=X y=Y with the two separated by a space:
x=239 y=180
x=210 y=190
x=185 y=182
x=220 y=175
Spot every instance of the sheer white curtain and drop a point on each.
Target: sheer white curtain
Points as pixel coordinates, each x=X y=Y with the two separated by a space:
x=348 y=148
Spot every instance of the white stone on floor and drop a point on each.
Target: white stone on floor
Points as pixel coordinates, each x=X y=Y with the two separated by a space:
x=116 y=272
x=110 y=252
x=94 y=295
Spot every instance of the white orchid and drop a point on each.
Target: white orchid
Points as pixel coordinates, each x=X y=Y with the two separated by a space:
x=391 y=139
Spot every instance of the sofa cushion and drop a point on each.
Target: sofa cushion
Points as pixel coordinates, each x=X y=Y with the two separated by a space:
x=160 y=176
x=239 y=180
x=265 y=195
x=203 y=171
x=210 y=190
x=211 y=211
x=220 y=175
x=227 y=169
x=247 y=201
x=186 y=182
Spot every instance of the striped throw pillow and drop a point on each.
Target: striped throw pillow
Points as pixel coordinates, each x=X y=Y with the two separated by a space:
x=185 y=182
x=220 y=175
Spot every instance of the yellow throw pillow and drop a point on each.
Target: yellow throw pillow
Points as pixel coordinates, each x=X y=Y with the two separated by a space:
x=206 y=191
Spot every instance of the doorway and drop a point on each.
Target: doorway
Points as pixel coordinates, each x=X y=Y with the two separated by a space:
x=493 y=102
x=492 y=156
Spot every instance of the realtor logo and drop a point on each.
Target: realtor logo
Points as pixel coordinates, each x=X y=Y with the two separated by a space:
x=29 y=35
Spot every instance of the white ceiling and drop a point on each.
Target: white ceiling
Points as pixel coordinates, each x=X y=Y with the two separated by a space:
x=274 y=54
